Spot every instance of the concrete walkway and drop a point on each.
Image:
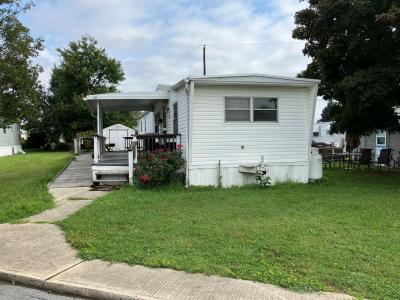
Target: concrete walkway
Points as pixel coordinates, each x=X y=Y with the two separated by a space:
x=38 y=255
x=67 y=201
x=77 y=173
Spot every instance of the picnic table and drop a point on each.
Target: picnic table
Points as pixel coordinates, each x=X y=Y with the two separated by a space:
x=348 y=157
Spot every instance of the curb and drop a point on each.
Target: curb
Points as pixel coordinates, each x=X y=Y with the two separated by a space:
x=21 y=279
x=90 y=292
x=68 y=289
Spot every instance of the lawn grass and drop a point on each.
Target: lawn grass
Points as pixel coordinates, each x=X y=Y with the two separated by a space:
x=340 y=234
x=23 y=183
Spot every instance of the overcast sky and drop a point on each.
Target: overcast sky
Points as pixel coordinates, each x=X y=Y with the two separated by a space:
x=160 y=41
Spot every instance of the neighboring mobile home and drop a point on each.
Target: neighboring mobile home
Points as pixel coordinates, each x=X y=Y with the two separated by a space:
x=237 y=120
x=321 y=134
x=10 y=140
x=146 y=123
x=380 y=140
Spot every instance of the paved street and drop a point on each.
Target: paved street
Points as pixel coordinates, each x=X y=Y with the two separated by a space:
x=12 y=292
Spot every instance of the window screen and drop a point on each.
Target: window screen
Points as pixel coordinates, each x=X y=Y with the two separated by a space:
x=237 y=109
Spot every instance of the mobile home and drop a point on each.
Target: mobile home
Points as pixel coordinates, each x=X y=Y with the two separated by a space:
x=321 y=134
x=10 y=140
x=380 y=140
x=226 y=124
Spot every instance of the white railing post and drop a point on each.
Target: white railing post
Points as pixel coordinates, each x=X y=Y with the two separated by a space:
x=96 y=149
x=135 y=149
x=77 y=146
x=132 y=160
x=130 y=165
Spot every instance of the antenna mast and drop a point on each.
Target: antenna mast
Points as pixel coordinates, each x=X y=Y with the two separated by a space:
x=204 y=60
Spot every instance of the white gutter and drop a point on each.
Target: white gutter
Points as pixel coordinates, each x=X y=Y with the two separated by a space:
x=188 y=144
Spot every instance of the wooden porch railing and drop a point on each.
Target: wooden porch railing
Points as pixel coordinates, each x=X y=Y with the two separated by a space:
x=153 y=142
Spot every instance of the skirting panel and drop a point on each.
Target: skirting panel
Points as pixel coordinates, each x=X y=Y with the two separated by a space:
x=232 y=177
x=10 y=150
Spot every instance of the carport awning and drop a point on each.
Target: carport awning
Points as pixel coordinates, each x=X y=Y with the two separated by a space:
x=137 y=101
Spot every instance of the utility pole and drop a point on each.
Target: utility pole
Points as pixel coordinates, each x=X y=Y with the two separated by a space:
x=204 y=60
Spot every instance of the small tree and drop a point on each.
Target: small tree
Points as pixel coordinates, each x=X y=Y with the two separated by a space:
x=20 y=91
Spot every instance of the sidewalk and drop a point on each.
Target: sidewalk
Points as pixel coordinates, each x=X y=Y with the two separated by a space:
x=38 y=255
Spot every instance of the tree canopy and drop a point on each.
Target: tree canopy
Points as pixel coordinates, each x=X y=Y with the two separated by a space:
x=355 y=51
x=20 y=90
x=84 y=69
x=326 y=112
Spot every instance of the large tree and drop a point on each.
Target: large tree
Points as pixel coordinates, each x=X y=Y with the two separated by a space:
x=355 y=51
x=20 y=91
x=84 y=69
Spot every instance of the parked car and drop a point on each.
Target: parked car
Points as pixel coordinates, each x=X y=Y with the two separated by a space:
x=320 y=144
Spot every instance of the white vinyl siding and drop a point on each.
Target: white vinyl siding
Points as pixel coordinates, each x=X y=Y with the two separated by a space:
x=146 y=123
x=234 y=143
x=180 y=98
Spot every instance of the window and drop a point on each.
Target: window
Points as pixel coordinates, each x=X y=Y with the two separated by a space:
x=249 y=109
x=265 y=109
x=237 y=109
x=381 y=138
x=316 y=133
x=175 y=120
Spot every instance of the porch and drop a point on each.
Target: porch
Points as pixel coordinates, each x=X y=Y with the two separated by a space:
x=117 y=166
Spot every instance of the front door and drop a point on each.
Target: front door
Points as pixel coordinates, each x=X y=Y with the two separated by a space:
x=381 y=142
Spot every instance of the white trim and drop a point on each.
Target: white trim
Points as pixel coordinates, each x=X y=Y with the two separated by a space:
x=273 y=80
x=265 y=76
x=159 y=95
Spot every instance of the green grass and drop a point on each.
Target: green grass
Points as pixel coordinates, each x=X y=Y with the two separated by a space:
x=340 y=234
x=23 y=183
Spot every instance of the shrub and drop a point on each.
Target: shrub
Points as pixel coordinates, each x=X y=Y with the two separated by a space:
x=160 y=167
x=62 y=147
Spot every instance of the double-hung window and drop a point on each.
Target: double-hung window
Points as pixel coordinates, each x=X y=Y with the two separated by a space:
x=251 y=109
x=265 y=109
x=237 y=109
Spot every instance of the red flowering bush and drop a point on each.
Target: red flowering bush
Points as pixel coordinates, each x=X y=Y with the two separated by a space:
x=159 y=167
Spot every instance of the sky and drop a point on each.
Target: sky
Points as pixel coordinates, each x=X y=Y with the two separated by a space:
x=159 y=41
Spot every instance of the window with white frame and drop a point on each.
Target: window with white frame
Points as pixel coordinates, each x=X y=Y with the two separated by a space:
x=251 y=109
x=265 y=109
x=237 y=109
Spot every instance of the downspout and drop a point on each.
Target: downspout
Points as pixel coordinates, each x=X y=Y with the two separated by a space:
x=189 y=89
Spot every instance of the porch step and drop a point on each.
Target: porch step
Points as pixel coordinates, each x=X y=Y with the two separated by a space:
x=108 y=180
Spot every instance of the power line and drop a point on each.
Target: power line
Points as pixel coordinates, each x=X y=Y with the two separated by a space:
x=187 y=47
x=251 y=44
